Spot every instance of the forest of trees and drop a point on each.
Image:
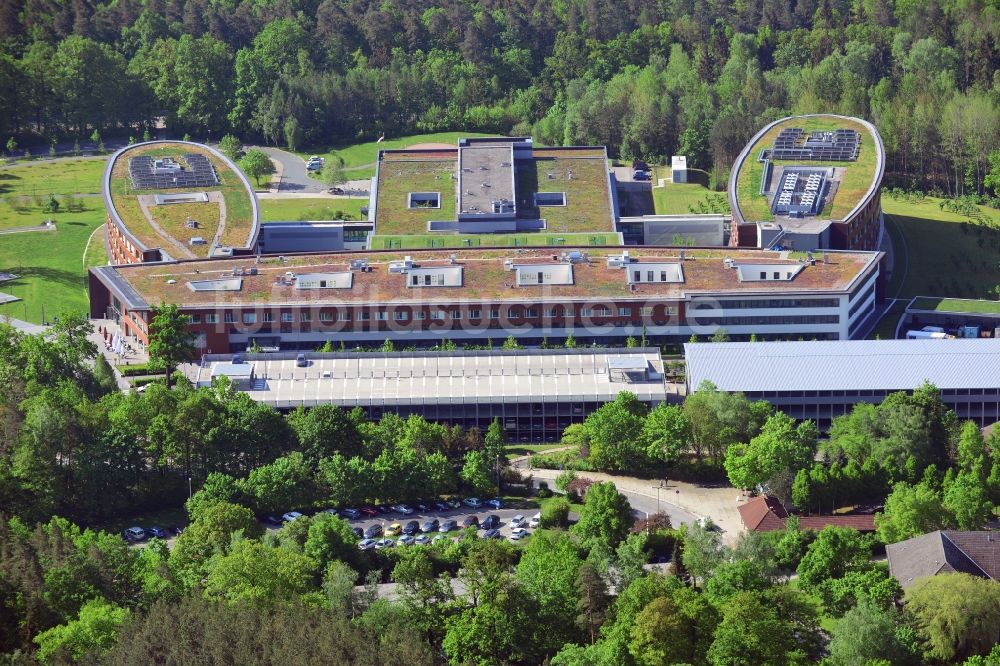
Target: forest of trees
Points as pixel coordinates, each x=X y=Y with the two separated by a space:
x=648 y=79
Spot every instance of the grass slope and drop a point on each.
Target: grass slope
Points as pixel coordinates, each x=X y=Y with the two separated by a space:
x=40 y=178
x=688 y=198
x=359 y=159
x=956 y=305
x=946 y=254
x=50 y=266
x=292 y=210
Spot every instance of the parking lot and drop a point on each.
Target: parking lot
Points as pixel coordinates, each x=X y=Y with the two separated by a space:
x=458 y=515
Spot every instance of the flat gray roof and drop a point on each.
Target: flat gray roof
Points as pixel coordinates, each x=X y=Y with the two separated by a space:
x=430 y=378
x=485 y=175
x=232 y=370
x=851 y=365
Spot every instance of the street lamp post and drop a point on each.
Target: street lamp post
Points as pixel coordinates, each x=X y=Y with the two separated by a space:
x=663 y=484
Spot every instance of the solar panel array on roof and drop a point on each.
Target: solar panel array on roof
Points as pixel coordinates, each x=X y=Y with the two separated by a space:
x=840 y=145
x=148 y=173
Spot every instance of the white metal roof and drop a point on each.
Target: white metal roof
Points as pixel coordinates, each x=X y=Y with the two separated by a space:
x=844 y=365
x=449 y=378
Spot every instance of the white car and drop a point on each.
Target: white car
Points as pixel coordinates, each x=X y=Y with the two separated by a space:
x=440 y=537
x=535 y=521
x=518 y=533
x=422 y=540
x=366 y=544
x=406 y=540
x=384 y=543
x=472 y=502
x=291 y=516
x=518 y=521
x=403 y=509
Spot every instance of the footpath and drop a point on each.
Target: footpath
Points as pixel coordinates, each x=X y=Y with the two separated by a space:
x=720 y=503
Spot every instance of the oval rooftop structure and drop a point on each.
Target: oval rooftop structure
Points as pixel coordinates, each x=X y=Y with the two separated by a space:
x=174 y=200
x=809 y=182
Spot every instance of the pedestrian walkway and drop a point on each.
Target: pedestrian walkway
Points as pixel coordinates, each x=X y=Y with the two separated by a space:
x=720 y=503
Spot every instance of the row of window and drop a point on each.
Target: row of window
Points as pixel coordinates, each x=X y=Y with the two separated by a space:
x=267 y=317
x=767 y=321
x=767 y=304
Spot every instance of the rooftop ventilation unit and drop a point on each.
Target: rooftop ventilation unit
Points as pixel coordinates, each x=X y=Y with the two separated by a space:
x=729 y=263
x=359 y=264
x=453 y=259
x=576 y=257
x=616 y=261
x=508 y=264
x=401 y=266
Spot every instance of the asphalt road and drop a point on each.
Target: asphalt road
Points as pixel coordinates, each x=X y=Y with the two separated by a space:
x=294 y=175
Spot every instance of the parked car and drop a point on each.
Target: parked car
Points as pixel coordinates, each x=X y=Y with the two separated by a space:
x=405 y=540
x=518 y=521
x=490 y=523
x=301 y=361
x=272 y=519
x=518 y=533
x=134 y=534
x=336 y=190
x=535 y=521
x=291 y=516
x=496 y=503
x=358 y=532
x=471 y=521
x=156 y=532
x=492 y=534
x=366 y=544
x=423 y=508
x=448 y=526
x=422 y=540
x=439 y=538
x=411 y=528
x=440 y=506
x=454 y=503
x=373 y=531
x=430 y=525
x=350 y=514
x=393 y=529
x=368 y=511
x=472 y=502
x=403 y=509
x=385 y=543
x=384 y=509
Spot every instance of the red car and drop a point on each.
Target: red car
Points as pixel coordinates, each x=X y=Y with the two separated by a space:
x=369 y=511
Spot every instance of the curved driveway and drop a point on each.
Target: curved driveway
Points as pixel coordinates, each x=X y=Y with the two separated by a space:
x=294 y=175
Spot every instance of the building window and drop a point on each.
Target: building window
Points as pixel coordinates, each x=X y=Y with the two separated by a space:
x=287 y=317
x=211 y=319
x=494 y=313
x=400 y=316
x=514 y=313
x=624 y=312
x=763 y=275
x=437 y=314
x=195 y=318
x=587 y=312
x=305 y=316
x=229 y=318
x=420 y=315
x=364 y=315
x=268 y=317
x=326 y=316
x=646 y=312
x=381 y=315
x=475 y=314
x=530 y=313
x=344 y=315
x=249 y=317
x=550 y=313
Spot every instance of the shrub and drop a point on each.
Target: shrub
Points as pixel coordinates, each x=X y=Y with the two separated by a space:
x=564 y=479
x=577 y=489
x=556 y=513
x=543 y=490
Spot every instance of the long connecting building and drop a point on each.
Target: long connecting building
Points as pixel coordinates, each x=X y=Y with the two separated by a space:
x=480 y=295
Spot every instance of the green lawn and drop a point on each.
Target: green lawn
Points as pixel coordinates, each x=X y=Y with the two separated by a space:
x=886 y=328
x=518 y=450
x=688 y=198
x=76 y=176
x=359 y=159
x=292 y=210
x=407 y=242
x=50 y=266
x=945 y=253
x=956 y=305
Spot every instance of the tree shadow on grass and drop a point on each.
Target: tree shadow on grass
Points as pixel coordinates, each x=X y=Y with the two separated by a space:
x=44 y=274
